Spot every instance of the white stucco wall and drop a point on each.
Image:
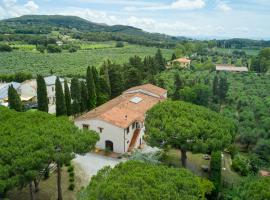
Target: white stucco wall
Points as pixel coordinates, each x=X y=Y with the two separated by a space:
x=110 y=132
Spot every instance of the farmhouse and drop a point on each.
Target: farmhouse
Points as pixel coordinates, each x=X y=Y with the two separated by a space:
x=181 y=62
x=231 y=68
x=120 y=122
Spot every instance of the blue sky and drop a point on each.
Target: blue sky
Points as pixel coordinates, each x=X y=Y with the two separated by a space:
x=193 y=18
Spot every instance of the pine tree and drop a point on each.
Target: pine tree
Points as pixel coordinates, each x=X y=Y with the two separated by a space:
x=159 y=61
x=76 y=96
x=178 y=85
x=68 y=99
x=14 y=99
x=42 y=97
x=92 y=100
x=61 y=108
x=84 y=97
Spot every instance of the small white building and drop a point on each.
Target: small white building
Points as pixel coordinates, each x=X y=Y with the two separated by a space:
x=120 y=122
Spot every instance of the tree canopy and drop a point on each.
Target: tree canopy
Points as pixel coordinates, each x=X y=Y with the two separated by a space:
x=29 y=141
x=144 y=181
x=187 y=127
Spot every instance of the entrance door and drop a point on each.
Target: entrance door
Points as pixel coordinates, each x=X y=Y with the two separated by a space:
x=109 y=145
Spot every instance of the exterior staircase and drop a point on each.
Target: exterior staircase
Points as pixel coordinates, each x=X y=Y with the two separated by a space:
x=134 y=139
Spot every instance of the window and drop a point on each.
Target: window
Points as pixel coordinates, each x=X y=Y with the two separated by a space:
x=127 y=130
x=85 y=126
x=133 y=125
x=128 y=142
x=52 y=88
x=100 y=129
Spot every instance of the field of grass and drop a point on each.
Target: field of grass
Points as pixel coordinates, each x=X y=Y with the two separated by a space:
x=66 y=63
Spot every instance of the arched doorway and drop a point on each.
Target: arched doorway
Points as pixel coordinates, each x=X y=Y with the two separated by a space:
x=109 y=145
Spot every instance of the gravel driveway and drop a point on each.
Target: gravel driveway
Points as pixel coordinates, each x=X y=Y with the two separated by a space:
x=89 y=164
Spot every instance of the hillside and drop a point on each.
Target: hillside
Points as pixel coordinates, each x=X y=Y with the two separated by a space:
x=81 y=28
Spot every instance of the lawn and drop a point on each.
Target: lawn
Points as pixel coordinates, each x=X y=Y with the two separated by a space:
x=66 y=63
x=48 y=188
x=194 y=161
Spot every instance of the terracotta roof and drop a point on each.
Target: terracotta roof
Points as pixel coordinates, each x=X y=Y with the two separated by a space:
x=182 y=60
x=149 y=88
x=122 y=111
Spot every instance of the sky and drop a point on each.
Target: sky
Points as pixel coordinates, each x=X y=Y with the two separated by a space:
x=191 y=18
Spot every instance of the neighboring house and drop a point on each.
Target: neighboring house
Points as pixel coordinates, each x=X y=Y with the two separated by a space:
x=28 y=90
x=120 y=122
x=50 y=84
x=181 y=62
x=231 y=68
x=4 y=91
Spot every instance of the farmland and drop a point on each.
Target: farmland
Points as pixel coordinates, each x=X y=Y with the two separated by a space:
x=66 y=63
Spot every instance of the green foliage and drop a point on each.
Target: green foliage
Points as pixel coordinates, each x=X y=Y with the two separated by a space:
x=53 y=48
x=28 y=144
x=215 y=173
x=92 y=95
x=42 y=98
x=198 y=94
x=241 y=164
x=251 y=188
x=119 y=44
x=17 y=77
x=14 y=100
x=186 y=127
x=67 y=98
x=116 y=79
x=261 y=63
x=5 y=48
x=75 y=91
x=84 y=97
x=138 y=180
x=61 y=108
x=71 y=186
x=262 y=150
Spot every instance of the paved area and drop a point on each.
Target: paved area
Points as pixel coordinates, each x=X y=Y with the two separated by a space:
x=89 y=164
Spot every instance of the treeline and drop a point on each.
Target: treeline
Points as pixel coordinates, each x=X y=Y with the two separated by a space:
x=242 y=43
x=17 y=77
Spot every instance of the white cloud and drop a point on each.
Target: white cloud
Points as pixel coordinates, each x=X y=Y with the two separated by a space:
x=178 y=5
x=11 y=8
x=223 y=6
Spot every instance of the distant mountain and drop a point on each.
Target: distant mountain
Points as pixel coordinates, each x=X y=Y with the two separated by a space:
x=45 y=24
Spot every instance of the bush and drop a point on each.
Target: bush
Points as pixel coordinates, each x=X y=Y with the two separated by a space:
x=71 y=187
x=119 y=44
x=5 y=48
x=70 y=168
x=52 y=48
x=41 y=48
x=72 y=50
x=241 y=164
x=71 y=174
x=71 y=180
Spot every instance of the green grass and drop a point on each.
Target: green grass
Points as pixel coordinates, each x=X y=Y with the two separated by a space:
x=194 y=161
x=70 y=63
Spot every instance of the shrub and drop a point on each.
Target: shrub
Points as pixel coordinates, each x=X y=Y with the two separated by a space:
x=71 y=174
x=41 y=48
x=71 y=180
x=52 y=48
x=119 y=44
x=70 y=168
x=72 y=50
x=241 y=164
x=5 y=47
x=71 y=187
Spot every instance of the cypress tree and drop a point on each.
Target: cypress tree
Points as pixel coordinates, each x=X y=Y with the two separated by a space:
x=42 y=97
x=61 y=108
x=173 y=56
x=159 y=61
x=215 y=86
x=84 y=97
x=104 y=72
x=92 y=100
x=116 y=80
x=178 y=85
x=223 y=88
x=14 y=99
x=97 y=86
x=75 y=95
x=68 y=99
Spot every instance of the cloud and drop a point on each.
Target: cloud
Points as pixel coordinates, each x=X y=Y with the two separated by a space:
x=11 y=8
x=178 y=5
x=223 y=6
